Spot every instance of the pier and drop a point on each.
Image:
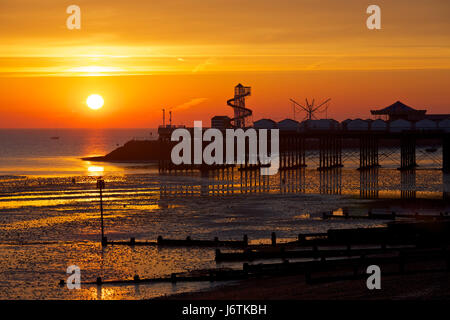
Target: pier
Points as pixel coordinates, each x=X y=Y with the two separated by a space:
x=331 y=148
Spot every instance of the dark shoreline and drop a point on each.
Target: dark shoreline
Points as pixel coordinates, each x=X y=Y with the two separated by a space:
x=134 y=151
x=105 y=159
x=412 y=286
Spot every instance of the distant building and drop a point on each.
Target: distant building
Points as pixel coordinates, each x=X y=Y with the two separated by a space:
x=288 y=125
x=378 y=125
x=426 y=124
x=265 y=124
x=444 y=125
x=400 y=125
x=321 y=124
x=437 y=117
x=221 y=122
x=345 y=122
x=357 y=125
x=399 y=110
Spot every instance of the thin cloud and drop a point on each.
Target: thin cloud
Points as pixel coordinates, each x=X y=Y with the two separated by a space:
x=189 y=104
x=202 y=66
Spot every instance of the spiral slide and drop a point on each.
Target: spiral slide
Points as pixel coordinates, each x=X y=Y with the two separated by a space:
x=238 y=105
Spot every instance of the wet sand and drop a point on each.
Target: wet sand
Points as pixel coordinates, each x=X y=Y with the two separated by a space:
x=49 y=223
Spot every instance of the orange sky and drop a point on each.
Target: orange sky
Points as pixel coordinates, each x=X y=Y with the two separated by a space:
x=187 y=56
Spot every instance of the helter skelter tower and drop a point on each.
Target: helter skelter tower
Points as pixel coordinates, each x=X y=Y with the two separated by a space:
x=238 y=105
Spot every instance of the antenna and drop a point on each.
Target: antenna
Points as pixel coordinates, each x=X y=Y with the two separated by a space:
x=310 y=109
x=170 y=118
x=164 y=117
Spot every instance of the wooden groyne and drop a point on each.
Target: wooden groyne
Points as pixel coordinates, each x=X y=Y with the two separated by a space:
x=385 y=216
x=338 y=269
x=314 y=252
x=132 y=242
x=188 y=242
x=399 y=245
x=356 y=242
x=396 y=233
x=210 y=275
x=203 y=243
x=324 y=269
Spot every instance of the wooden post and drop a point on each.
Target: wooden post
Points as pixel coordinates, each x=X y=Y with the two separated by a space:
x=401 y=257
x=446 y=153
x=447 y=260
x=308 y=279
x=361 y=153
x=101 y=186
x=217 y=254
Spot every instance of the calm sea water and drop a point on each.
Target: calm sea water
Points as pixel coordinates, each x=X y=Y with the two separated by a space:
x=47 y=222
x=35 y=152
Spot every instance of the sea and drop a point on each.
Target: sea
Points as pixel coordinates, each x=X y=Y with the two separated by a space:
x=50 y=210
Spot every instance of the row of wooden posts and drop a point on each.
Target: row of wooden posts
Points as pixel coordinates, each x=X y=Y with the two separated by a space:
x=322 y=261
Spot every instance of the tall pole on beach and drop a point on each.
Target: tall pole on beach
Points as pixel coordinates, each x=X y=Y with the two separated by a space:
x=101 y=186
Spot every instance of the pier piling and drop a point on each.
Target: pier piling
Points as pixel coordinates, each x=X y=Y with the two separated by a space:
x=446 y=153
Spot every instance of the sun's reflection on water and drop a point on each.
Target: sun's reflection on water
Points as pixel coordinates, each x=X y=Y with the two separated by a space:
x=95 y=170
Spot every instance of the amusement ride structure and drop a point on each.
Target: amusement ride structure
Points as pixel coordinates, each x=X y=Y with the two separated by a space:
x=311 y=109
x=241 y=113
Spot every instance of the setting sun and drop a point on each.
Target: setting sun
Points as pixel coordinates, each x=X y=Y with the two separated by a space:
x=94 y=101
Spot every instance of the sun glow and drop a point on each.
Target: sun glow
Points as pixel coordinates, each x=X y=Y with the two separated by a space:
x=95 y=171
x=95 y=101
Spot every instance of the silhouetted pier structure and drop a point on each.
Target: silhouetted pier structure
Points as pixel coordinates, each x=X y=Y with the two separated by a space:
x=330 y=145
x=408 y=184
x=446 y=153
x=446 y=186
x=330 y=152
x=292 y=151
x=327 y=150
x=330 y=181
x=368 y=152
x=408 y=152
x=369 y=188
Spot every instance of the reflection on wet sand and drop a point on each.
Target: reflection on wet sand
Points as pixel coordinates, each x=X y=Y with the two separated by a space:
x=368 y=188
x=408 y=184
x=292 y=181
x=331 y=181
x=234 y=182
x=54 y=222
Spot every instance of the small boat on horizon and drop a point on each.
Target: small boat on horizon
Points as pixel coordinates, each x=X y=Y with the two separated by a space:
x=54 y=138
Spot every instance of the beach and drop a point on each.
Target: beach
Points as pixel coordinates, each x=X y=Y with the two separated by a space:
x=424 y=286
x=50 y=216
